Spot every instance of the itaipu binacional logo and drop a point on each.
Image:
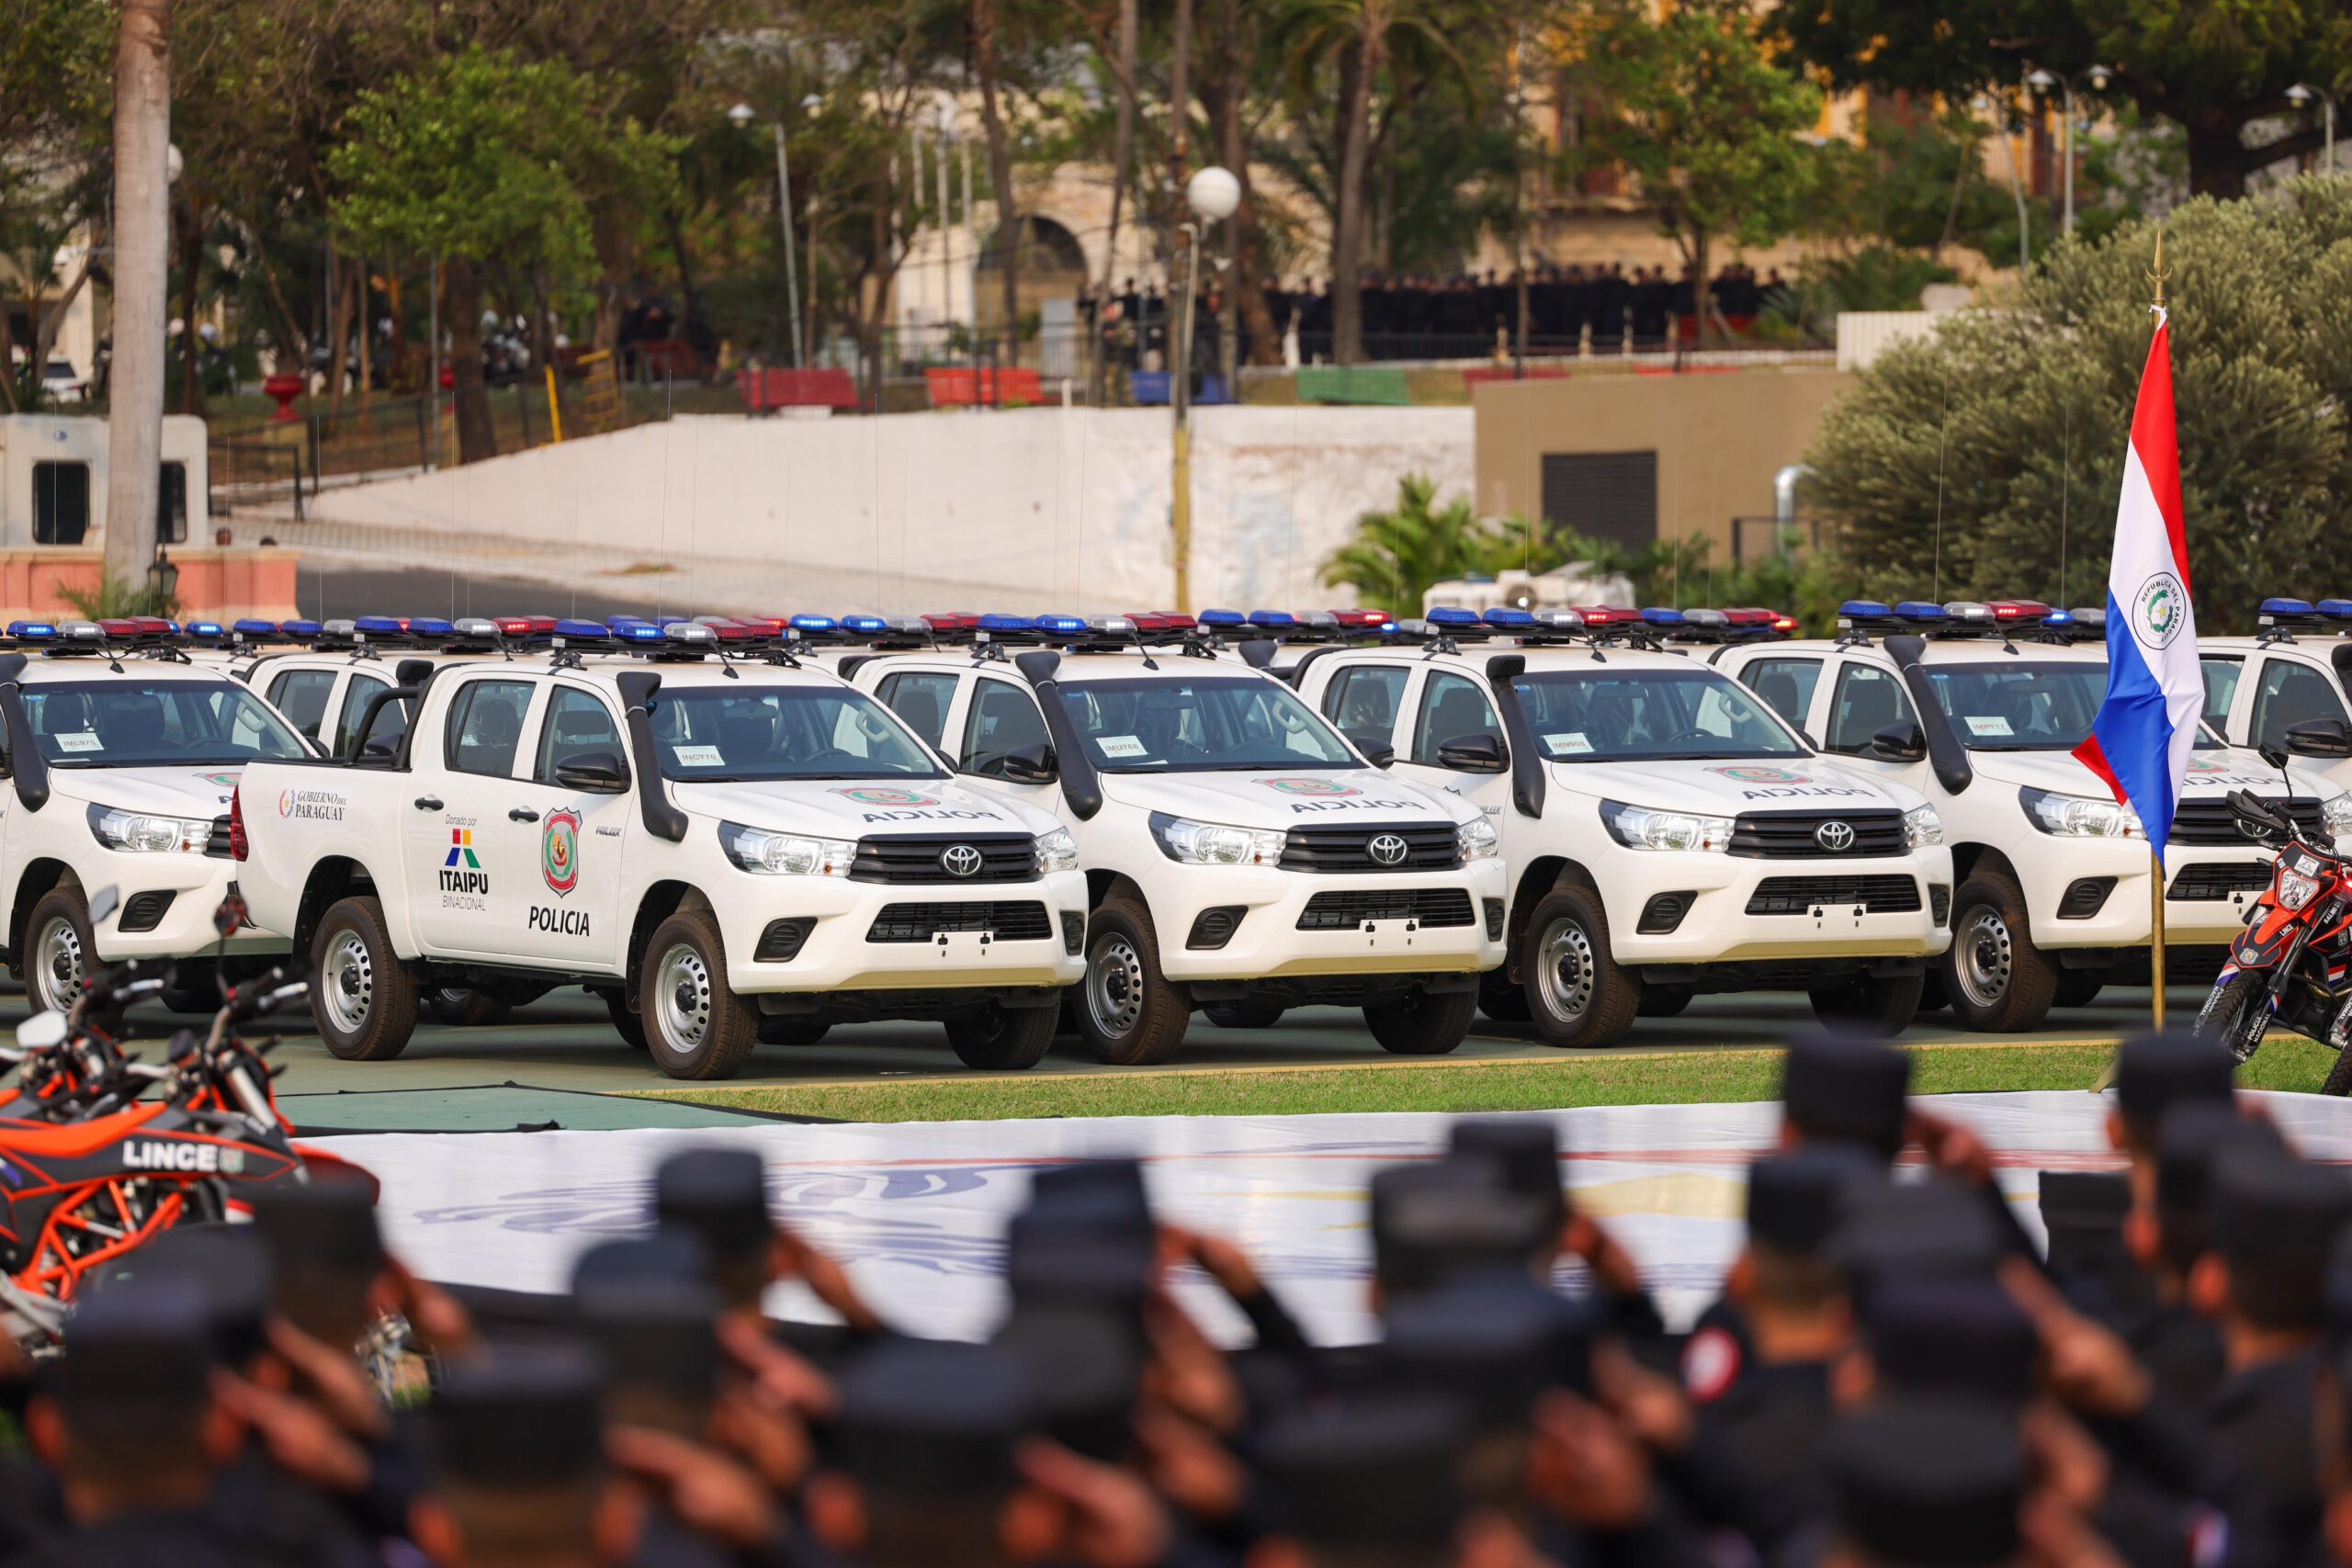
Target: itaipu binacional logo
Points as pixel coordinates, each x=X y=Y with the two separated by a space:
x=886 y=797
x=2159 y=609
x=1761 y=776
x=559 y=851
x=1309 y=786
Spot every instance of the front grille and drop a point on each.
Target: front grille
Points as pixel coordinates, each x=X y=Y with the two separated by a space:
x=1004 y=857
x=781 y=941
x=1213 y=927
x=1429 y=846
x=1346 y=911
x=144 y=911
x=2212 y=884
x=1663 y=913
x=921 y=922
x=1795 y=835
x=1802 y=895
x=216 y=843
x=2209 y=822
x=2085 y=897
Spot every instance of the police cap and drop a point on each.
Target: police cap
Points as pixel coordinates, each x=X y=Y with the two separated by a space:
x=1934 y=1482
x=926 y=1419
x=1837 y=1089
x=2267 y=1209
x=2190 y=1138
x=1950 y=1336
x=1916 y=1230
x=142 y=1346
x=1048 y=1259
x=1083 y=1369
x=522 y=1414
x=327 y=1225
x=1379 y=1474
x=1526 y=1147
x=1478 y=1340
x=1796 y=1199
x=653 y=1333
x=2082 y=1213
x=669 y=1253
x=719 y=1193
x=1433 y=1223
x=232 y=1267
x=1105 y=1192
x=2155 y=1072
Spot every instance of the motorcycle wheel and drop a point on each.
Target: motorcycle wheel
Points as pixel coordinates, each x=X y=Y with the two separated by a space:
x=2237 y=1014
x=2339 y=1076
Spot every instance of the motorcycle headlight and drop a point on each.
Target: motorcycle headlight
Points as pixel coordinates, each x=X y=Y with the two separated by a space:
x=141 y=833
x=1210 y=843
x=2080 y=817
x=2295 y=889
x=1922 y=826
x=1639 y=828
x=1057 y=851
x=1476 y=839
x=785 y=854
x=2336 y=816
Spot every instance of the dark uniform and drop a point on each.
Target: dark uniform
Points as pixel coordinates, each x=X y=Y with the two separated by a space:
x=2155 y=1072
x=1928 y=1480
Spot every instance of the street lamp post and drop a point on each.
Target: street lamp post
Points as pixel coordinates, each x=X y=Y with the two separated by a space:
x=743 y=115
x=1212 y=193
x=2300 y=95
x=2041 y=81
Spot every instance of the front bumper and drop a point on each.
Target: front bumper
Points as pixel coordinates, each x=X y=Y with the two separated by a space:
x=1267 y=938
x=2055 y=890
x=1742 y=909
x=836 y=952
x=194 y=885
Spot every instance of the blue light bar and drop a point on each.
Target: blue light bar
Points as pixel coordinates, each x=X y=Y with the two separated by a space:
x=1058 y=626
x=31 y=631
x=870 y=625
x=2337 y=609
x=427 y=626
x=2062 y=619
x=1516 y=619
x=379 y=626
x=632 y=631
x=2293 y=609
x=1007 y=624
x=590 y=631
x=1864 y=609
x=1659 y=615
x=1223 y=618
x=811 y=623
x=205 y=630
x=1449 y=616
x=299 y=628
x=1919 y=610
x=251 y=627
x=1272 y=618
x=614 y=623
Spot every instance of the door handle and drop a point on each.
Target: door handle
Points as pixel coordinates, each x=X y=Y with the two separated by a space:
x=428 y=803
x=521 y=814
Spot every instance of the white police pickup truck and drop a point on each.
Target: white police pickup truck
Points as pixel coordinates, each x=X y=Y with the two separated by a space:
x=2297 y=668
x=1665 y=833
x=121 y=758
x=726 y=849
x=1240 y=855
x=1979 y=706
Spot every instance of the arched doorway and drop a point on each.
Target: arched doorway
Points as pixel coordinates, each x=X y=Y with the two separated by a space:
x=1051 y=268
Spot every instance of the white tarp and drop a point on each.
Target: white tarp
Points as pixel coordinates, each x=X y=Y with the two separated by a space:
x=917 y=1210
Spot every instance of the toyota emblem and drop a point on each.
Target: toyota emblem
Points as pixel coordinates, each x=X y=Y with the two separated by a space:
x=960 y=860
x=1388 y=848
x=1835 y=837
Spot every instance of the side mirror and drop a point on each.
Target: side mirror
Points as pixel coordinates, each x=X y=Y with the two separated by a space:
x=1376 y=748
x=2319 y=738
x=1474 y=754
x=2274 y=756
x=1900 y=742
x=1030 y=764
x=598 y=772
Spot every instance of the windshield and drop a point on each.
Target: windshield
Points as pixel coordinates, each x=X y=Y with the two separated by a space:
x=748 y=733
x=2021 y=708
x=1218 y=724
x=1643 y=715
x=153 y=723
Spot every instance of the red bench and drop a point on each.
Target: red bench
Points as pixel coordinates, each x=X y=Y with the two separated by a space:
x=1479 y=374
x=764 y=392
x=952 y=388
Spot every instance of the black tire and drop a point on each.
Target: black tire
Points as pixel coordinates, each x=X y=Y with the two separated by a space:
x=1577 y=996
x=783 y=1029
x=1665 y=1001
x=1128 y=1012
x=362 y=997
x=60 y=954
x=999 y=1039
x=1869 y=1006
x=462 y=1007
x=1999 y=982
x=696 y=1026
x=2079 y=987
x=1500 y=997
x=2339 y=1076
x=1250 y=1012
x=1422 y=1023
x=2237 y=1014
x=627 y=1024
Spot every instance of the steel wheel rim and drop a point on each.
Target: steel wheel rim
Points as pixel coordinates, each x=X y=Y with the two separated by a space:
x=1115 y=986
x=681 y=996
x=1983 y=958
x=347 y=981
x=58 y=963
x=1564 y=969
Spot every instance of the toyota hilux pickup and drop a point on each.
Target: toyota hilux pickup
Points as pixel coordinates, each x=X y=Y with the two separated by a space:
x=2295 y=668
x=1979 y=706
x=121 y=758
x=726 y=849
x=1664 y=831
x=1241 y=856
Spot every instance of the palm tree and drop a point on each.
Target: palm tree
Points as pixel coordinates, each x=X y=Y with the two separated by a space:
x=1397 y=555
x=143 y=134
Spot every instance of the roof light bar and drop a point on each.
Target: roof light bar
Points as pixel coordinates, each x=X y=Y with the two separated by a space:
x=581 y=631
x=2286 y=613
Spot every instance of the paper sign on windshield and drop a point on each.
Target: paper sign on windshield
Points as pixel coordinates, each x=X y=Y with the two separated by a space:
x=1988 y=724
x=697 y=756
x=77 y=740
x=1122 y=746
x=1574 y=741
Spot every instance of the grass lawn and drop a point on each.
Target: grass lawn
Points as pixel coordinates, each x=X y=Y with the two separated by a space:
x=1681 y=1077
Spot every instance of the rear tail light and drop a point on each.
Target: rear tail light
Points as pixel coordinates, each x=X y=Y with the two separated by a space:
x=237 y=845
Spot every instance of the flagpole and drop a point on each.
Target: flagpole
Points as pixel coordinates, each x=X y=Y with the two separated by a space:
x=2156 y=851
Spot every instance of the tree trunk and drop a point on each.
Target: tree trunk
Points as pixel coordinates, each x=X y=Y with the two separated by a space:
x=1006 y=244
x=1357 y=70
x=189 y=219
x=476 y=439
x=363 y=316
x=2217 y=158
x=338 y=331
x=1245 y=296
x=143 y=134
x=1700 y=300
x=1123 y=156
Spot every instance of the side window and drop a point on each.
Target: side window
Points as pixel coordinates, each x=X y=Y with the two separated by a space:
x=2289 y=693
x=1868 y=699
x=485 y=727
x=392 y=722
x=1002 y=719
x=1785 y=685
x=171 y=505
x=2220 y=688
x=1366 y=699
x=301 y=696
x=576 y=721
x=921 y=700
x=60 y=503
x=1451 y=706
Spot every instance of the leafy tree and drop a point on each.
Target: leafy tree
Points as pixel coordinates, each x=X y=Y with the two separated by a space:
x=1397 y=555
x=1987 y=460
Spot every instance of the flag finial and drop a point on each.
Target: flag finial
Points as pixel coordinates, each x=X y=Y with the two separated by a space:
x=2159 y=275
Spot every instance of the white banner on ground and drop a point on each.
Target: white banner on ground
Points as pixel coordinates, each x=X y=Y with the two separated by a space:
x=918 y=1210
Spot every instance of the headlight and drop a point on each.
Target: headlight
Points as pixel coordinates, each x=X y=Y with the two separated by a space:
x=1057 y=851
x=2295 y=889
x=785 y=854
x=1639 y=828
x=1921 y=827
x=2080 y=817
x=2336 y=816
x=142 y=834
x=1476 y=839
x=1207 y=843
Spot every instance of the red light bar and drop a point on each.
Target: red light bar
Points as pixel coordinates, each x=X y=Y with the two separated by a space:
x=2018 y=610
x=759 y=625
x=1784 y=624
x=1749 y=615
x=953 y=621
x=1362 y=618
x=727 y=629
x=124 y=628
x=1148 y=620
x=1607 y=614
x=1176 y=620
x=523 y=625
